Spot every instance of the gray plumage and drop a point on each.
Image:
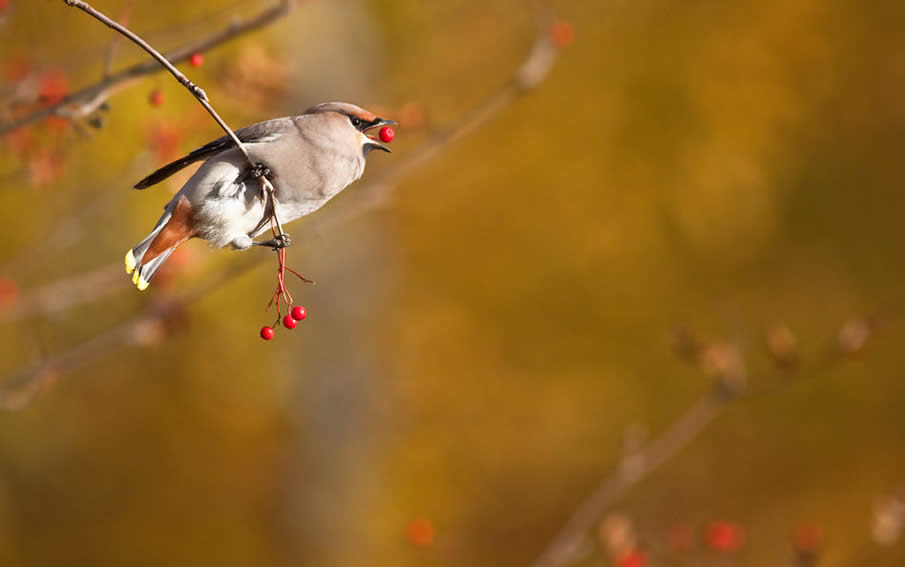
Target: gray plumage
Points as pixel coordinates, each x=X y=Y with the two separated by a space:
x=309 y=158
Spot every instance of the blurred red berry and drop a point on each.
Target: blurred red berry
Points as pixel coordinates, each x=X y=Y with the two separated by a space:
x=298 y=313
x=680 y=537
x=9 y=292
x=21 y=141
x=387 y=134
x=725 y=537
x=562 y=34
x=196 y=60
x=420 y=532
x=165 y=140
x=58 y=123
x=4 y=4
x=289 y=322
x=267 y=333
x=54 y=86
x=45 y=167
x=156 y=97
x=16 y=68
x=632 y=558
x=808 y=538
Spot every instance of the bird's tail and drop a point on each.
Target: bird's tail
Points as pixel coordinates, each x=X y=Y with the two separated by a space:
x=174 y=227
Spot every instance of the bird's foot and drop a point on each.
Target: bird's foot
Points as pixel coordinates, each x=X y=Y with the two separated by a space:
x=260 y=170
x=277 y=243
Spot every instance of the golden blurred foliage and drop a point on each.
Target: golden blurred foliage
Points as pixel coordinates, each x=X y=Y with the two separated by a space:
x=475 y=349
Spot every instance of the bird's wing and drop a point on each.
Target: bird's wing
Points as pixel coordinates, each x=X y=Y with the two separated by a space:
x=267 y=131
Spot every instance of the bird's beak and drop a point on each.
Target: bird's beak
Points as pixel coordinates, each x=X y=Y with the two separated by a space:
x=370 y=142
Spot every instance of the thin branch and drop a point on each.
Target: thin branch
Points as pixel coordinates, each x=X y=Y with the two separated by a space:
x=62 y=295
x=95 y=94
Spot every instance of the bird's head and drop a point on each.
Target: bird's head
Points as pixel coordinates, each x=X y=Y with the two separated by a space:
x=356 y=120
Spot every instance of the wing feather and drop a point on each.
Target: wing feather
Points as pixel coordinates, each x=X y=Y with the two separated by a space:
x=267 y=131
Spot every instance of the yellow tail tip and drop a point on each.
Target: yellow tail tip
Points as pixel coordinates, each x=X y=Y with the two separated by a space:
x=130 y=262
x=141 y=283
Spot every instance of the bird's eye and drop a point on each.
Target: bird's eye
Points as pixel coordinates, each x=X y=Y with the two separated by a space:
x=357 y=122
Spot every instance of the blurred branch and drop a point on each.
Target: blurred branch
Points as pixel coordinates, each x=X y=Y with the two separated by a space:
x=110 y=52
x=678 y=435
x=19 y=388
x=87 y=100
x=723 y=360
x=65 y=294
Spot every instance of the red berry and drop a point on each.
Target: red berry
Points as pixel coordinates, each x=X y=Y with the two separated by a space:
x=16 y=68
x=267 y=333
x=725 y=537
x=289 y=322
x=420 y=532
x=9 y=292
x=632 y=559
x=156 y=97
x=3 y=4
x=562 y=34
x=54 y=86
x=196 y=60
x=387 y=134
x=298 y=313
x=808 y=538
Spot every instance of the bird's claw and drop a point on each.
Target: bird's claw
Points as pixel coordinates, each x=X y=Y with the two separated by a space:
x=260 y=170
x=277 y=242
x=281 y=241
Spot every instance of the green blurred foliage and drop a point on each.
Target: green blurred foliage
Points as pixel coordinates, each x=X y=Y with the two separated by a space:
x=476 y=350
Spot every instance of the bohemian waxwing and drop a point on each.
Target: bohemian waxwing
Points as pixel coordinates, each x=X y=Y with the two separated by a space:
x=308 y=159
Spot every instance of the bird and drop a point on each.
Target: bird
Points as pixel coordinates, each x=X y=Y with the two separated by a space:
x=307 y=158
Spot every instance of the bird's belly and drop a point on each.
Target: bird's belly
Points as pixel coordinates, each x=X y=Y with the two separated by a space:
x=288 y=212
x=221 y=220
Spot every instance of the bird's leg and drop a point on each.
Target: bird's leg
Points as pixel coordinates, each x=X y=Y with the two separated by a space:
x=277 y=242
x=280 y=239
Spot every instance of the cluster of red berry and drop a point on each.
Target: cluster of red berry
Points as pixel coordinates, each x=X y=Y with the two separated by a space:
x=290 y=321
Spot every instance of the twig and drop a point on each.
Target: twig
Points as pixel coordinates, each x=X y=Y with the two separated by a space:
x=100 y=90
x=110 y=52
x=65 y=294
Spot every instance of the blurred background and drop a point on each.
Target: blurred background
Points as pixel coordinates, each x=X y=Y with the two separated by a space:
x=697 y=193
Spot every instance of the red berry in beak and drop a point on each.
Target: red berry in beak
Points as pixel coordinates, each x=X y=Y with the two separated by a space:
x=196 y=60
x=289 y=322
x=267 y=333
x=387 y=134
x=298 y=313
